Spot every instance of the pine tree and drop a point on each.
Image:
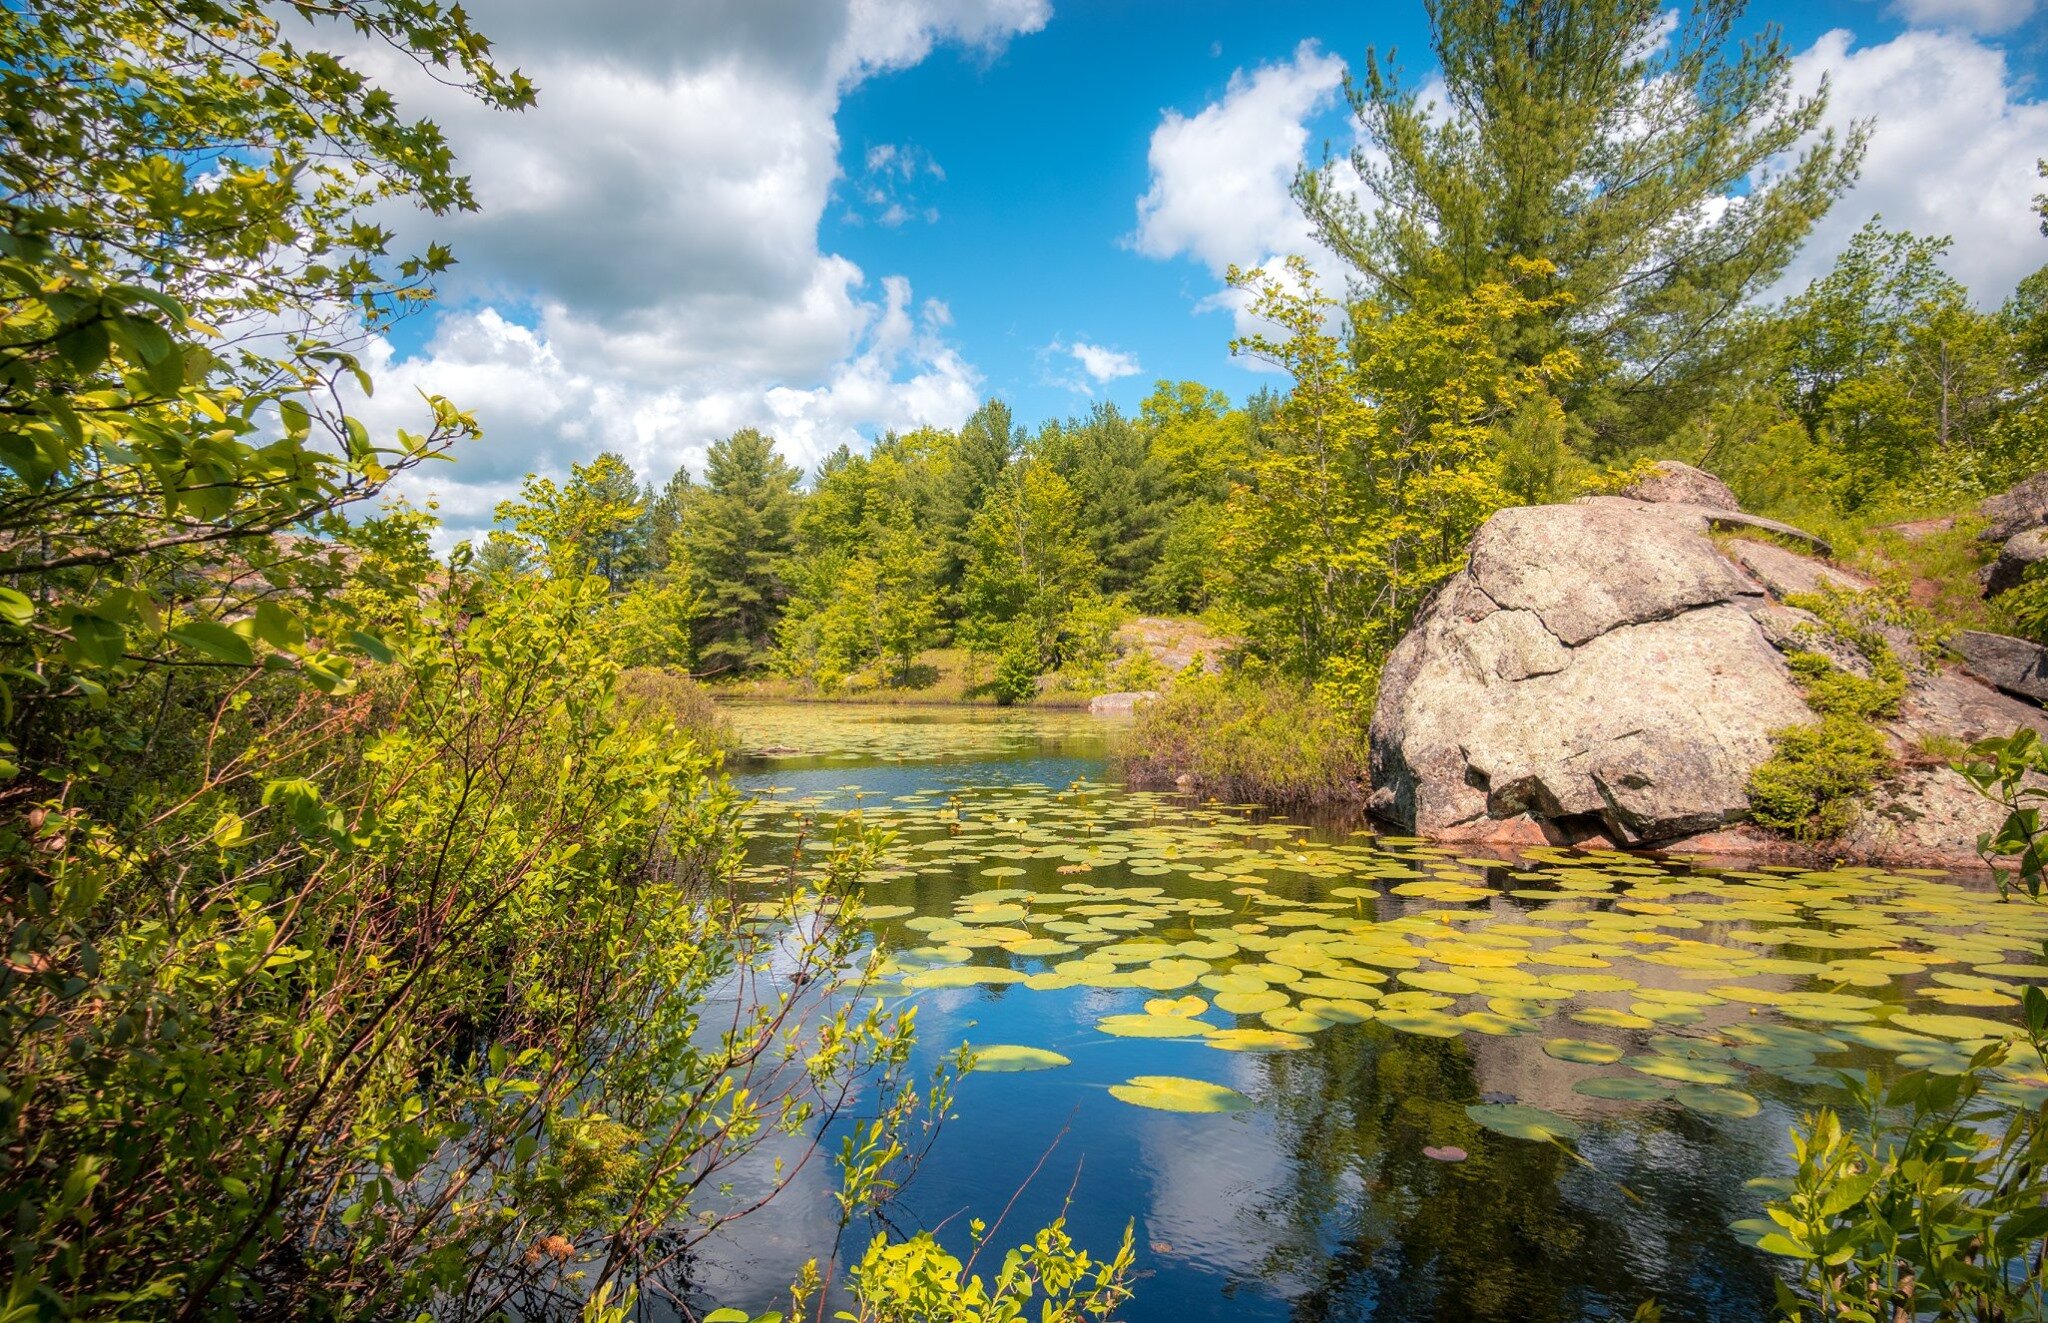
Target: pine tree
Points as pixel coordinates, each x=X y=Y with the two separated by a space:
x=739 y=531
x=1591 y=135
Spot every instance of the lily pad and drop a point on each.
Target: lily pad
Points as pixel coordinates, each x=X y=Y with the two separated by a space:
x=1007 y=1058
x=1709 y=1100
x=1582 y=1050
x=1174 y=1093
x=1521 y=1121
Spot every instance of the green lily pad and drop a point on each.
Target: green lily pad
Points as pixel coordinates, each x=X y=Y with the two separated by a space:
x=1173 y=1093
x=1521 y=1121
x=961 y=976
x=1709 y=1100
x=1153 y=1026
x=1582 y=1050
x=1623 y=1088
x=1006 y=1058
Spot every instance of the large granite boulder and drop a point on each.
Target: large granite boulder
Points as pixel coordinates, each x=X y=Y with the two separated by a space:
x=1595 y=666
x=1607 y=671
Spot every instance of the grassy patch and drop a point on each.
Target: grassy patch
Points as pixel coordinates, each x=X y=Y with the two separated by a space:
x=1238 y=739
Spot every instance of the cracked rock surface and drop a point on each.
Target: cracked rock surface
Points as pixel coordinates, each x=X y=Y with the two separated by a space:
x=1605 y=671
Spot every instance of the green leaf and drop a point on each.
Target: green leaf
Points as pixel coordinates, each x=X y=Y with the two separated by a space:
x=216 y=641
x=1521 y=1121
x=1005 y=1058
x=15 y=607
x=1174 y=1093
x=727 y=1316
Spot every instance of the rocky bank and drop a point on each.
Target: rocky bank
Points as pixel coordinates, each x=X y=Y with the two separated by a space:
x=1610 y=672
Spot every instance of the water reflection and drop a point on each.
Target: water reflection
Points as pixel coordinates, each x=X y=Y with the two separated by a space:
x=1319 y=1202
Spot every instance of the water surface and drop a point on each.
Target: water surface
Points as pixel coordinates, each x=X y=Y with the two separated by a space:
x=1365 y=999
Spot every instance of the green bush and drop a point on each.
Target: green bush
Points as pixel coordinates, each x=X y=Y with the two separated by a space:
x=1811 y=786
x=1245 y=737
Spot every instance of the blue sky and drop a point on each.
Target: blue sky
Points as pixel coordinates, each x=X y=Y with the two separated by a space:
x=832 y=217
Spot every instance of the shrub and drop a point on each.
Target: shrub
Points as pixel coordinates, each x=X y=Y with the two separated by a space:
x=658 y=694
x=1811 y=785
x=1246 y=737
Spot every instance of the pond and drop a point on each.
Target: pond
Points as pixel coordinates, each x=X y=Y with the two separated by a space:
x=1332 y=1075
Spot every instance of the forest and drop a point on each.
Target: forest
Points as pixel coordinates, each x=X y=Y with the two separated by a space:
x=383 y=937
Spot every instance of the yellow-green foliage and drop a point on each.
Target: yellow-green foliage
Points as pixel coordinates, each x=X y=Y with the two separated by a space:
x=1243 y=736
x=1384 y=460
x=1811 y=786
x=1049 y=1280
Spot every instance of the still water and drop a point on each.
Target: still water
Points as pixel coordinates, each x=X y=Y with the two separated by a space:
x=1349 y=1003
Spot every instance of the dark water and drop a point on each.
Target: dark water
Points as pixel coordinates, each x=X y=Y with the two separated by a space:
x=1317 y=1202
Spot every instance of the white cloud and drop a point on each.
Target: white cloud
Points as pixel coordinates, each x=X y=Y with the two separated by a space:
x=1082 y=367
x=644 y=273
x=1220 y=178
x=1966 y=15
x=1952 y=152
x=1103 y=365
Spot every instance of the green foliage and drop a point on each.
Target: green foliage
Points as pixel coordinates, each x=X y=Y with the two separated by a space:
x=2023 y=608
x=587 y=525
x=1030 y=594
x=1812 y=785
x=1383 y=461
x=1526 y=160
x=1928 y=1205
x=739 y=531
x=2009 y=772
x=1048 y=1279
x=1904 y=384
x=1247 y=736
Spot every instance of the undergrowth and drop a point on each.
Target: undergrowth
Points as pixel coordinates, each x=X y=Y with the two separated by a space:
x=1812 y=786
x=1242 y=738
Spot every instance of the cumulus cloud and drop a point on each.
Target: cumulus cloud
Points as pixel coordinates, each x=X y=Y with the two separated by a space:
x=1952 y=152
x=1966 y=15
x=1220 y=177
x=644 y=272
x=1082 y=367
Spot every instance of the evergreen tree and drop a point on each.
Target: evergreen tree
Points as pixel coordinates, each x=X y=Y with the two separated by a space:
x=1124 y=493
x=661 y=523
x=1629 y=156
x=740 y=532
x=972 y=463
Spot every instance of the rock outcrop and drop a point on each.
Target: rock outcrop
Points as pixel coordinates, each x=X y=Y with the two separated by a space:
x=2013 y=512
x=2011 y=665
x=2021 y=552
x=1606 y=671
x=1671 y=482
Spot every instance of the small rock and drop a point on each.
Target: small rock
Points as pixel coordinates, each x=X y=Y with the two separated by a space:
x=1682 y=483
x=1120 y=704
x=2021 y=552
x=2013 y=512
x=2012 y=665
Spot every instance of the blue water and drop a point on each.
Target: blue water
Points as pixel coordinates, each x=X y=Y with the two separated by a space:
x=1315 y=1204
